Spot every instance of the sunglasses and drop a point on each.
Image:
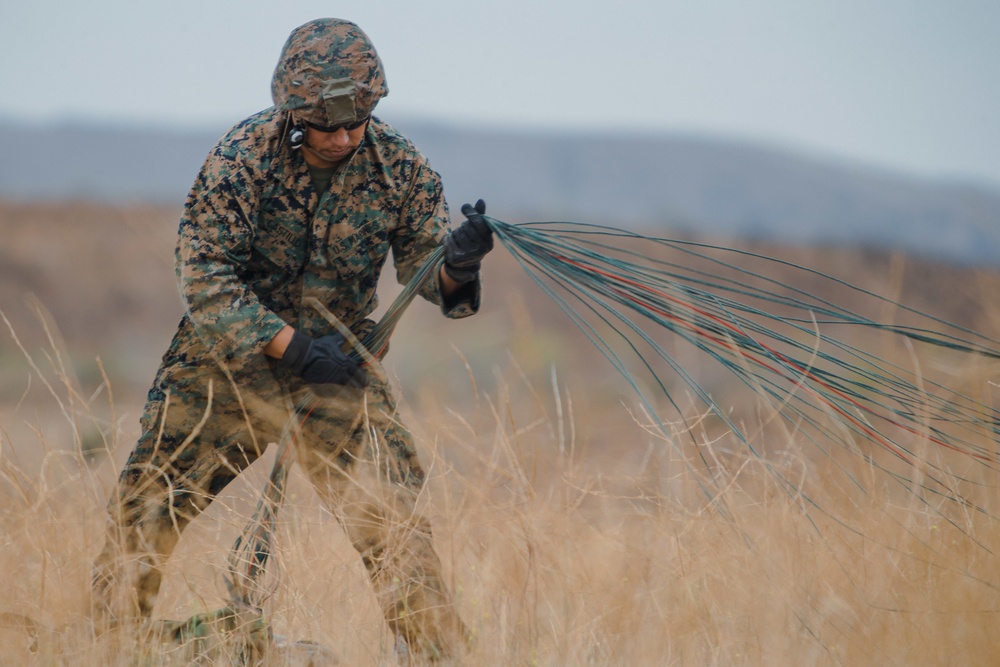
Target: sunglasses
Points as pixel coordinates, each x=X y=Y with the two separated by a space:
x=333 y=128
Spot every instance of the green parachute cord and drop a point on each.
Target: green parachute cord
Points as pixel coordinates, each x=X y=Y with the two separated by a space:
x=770 y=335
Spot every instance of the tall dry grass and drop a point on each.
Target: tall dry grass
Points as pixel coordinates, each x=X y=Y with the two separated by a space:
x=571 y=532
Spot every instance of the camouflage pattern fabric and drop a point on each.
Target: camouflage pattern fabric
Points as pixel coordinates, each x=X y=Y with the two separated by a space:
x=255 y=241
x=329 y=74
x=358 y=456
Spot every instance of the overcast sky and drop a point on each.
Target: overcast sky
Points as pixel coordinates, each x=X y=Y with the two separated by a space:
x=913 y=85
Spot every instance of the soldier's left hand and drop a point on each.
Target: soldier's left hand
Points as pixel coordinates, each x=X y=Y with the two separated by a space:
x=465 y=247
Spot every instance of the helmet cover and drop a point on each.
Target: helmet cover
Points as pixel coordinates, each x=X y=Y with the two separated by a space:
x=329 y=74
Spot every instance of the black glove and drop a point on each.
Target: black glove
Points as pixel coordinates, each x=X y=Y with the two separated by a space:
x=465 y=247
x=320 y=362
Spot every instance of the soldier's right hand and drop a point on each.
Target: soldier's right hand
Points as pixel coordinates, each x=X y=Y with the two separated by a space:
x=321 y=361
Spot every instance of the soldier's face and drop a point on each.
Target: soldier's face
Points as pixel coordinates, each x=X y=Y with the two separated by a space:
x=326 y=149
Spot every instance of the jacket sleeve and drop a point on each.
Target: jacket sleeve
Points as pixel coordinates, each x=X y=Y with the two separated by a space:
x=214 y=242
x=423 y=225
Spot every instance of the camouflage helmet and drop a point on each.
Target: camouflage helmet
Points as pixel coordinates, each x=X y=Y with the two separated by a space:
x=329 y=74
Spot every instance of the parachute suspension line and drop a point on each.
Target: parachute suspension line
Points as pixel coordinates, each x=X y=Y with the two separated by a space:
x=770 y=335
x=802 y=372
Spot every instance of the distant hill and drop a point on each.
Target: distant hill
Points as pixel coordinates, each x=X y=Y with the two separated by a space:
x=668 y=183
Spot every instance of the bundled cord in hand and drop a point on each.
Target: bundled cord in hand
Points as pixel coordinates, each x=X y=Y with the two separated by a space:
x=772 y=337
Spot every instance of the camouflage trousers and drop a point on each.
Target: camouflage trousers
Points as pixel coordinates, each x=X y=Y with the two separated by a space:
x=201 y=431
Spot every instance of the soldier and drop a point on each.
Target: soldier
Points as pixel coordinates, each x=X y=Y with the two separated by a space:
x=304 y=199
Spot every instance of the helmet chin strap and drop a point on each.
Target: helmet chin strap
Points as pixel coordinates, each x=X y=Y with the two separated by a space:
x=298 y=139
x=312 y=151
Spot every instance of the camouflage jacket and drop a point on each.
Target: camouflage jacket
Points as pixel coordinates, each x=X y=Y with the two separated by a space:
x=256 y=240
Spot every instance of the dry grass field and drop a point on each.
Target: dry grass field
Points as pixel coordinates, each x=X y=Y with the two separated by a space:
x=571 y=531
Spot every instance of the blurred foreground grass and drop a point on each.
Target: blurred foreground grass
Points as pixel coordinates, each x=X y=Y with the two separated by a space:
x=571 y=533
